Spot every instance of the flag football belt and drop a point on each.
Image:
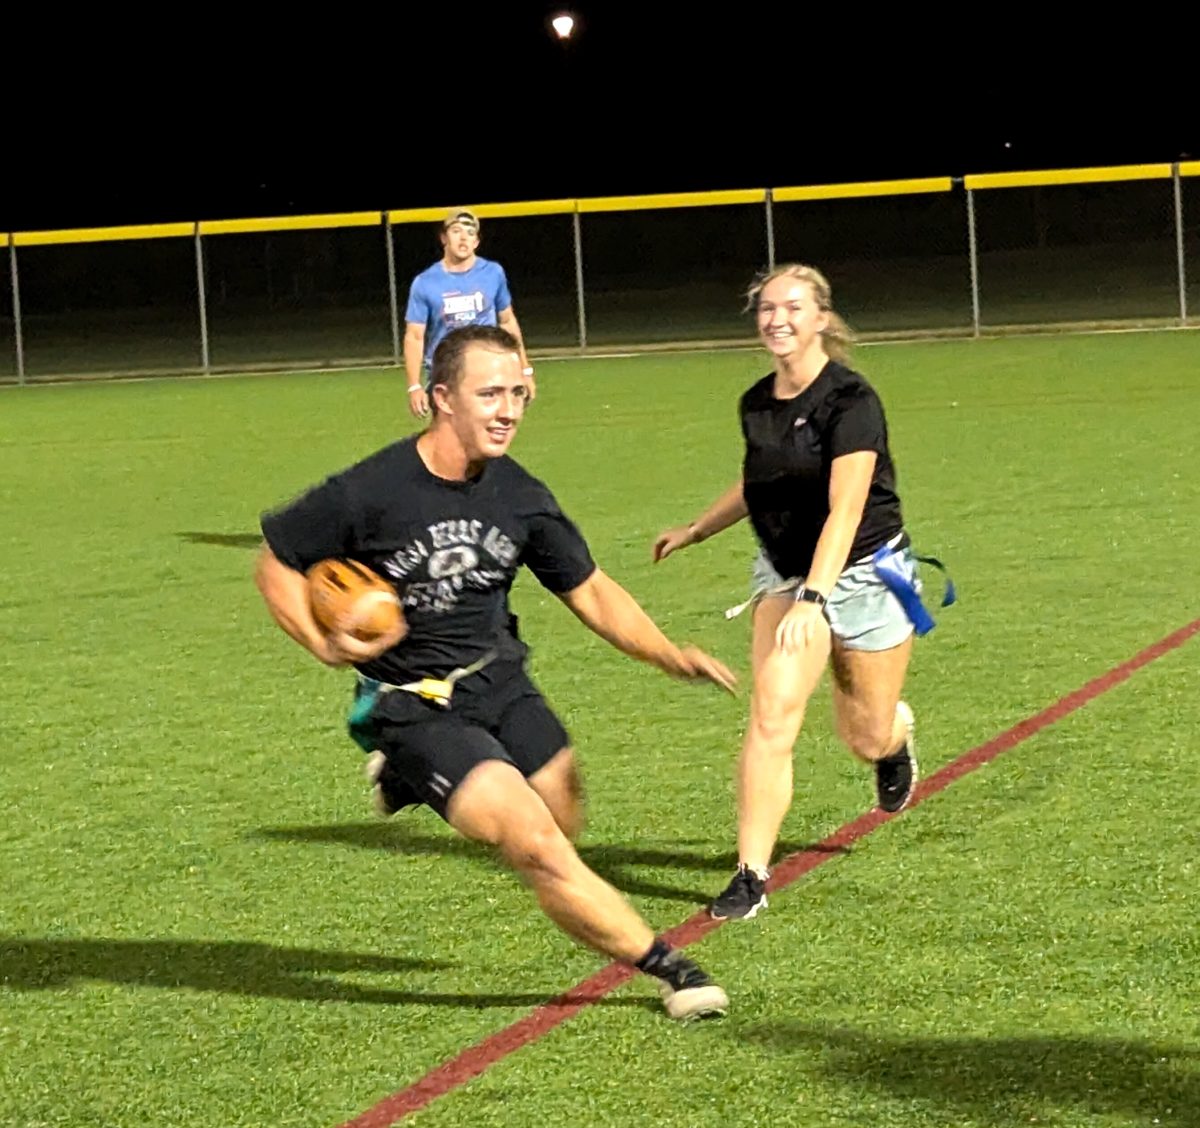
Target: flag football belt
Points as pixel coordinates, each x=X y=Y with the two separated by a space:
x=900 y=579
x=369 y=691
x=893 y=571
x=363 y=729
x=437 y=690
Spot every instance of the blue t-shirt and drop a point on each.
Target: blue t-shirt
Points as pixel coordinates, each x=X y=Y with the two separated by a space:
x=442 y=299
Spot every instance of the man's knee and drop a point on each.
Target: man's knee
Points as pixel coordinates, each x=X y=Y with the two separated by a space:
x=490 y=801
x=571 y=815
x=560 y=784
x=496 y=806
x=536 y=847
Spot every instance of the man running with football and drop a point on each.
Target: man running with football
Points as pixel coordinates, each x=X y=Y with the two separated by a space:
x=443 y=702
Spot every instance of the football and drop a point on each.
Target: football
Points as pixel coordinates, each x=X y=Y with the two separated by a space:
x=347 y=596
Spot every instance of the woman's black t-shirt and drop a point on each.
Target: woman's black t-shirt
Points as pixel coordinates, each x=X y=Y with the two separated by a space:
x=790 y=446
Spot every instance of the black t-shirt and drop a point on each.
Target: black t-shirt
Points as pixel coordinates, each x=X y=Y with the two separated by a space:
x=790 y=445
x=452 y=550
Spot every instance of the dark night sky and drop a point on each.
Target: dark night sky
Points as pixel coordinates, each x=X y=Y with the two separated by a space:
x=476 y=105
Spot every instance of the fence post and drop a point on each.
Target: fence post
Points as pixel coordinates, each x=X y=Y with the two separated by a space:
x=973 y=245
x=202 y=299
x=1179 y=255
x=579 y=298
x=770 y=216
x=393 y=298
x=16 y=300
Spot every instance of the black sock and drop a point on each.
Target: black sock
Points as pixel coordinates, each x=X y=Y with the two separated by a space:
x=655 y=961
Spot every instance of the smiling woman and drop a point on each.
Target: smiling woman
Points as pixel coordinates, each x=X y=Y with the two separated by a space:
x=819 y=488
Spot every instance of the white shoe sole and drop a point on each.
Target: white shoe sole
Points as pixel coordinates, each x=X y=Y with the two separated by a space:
x=373 y=769
x=762 y=904
x=694 y=1002
x=905 y=713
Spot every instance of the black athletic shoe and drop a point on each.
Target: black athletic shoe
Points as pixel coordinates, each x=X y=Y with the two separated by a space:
x=687 y=991
x=743 y=897
x=388 y=795
x=896 y=775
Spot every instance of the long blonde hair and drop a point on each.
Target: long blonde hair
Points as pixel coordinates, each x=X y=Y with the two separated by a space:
x=837 y=336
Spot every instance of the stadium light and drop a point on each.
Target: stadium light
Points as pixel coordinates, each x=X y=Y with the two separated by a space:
x=563 y=24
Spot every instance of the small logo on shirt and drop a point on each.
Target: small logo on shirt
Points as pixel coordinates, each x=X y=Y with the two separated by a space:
x=462 y=307
x=801 y=421
x=452 y=562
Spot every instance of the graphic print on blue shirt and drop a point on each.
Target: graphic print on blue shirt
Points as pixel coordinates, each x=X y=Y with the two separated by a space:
x=443 y=300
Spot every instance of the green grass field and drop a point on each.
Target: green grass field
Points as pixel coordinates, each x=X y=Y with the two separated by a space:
x=201 y=925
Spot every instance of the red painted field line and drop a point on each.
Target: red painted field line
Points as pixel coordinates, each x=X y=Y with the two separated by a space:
x=474 y=1060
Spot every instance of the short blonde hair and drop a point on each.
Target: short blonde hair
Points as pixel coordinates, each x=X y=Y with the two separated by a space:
x=837 y=335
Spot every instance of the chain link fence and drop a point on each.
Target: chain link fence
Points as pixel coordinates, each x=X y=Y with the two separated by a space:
x=958 y=257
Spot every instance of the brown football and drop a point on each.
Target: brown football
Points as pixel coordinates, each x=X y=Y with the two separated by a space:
x=347 y=596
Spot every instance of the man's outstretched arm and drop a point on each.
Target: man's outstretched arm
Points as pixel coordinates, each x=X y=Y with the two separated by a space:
x=607 y=609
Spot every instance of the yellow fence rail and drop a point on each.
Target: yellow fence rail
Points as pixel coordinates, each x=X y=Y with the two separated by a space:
x=102 y=234
x=767 y=199
x=973 y=182
x=1112 y=175
x=288 y=223
x=869 y=188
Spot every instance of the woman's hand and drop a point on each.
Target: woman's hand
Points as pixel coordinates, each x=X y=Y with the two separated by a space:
x=798 y=627
x=672 y=540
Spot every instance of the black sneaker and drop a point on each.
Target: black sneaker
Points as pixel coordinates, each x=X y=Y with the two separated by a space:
x=388 y=795
x=687 y=991
x=743 y=897
x=896 y=775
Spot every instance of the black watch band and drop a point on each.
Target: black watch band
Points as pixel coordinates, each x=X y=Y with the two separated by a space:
x=808 y=595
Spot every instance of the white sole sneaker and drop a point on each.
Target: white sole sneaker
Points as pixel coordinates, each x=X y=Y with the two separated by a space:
x=905 y=713
x=709 y=1001
x=373 y=769
x=754 y=910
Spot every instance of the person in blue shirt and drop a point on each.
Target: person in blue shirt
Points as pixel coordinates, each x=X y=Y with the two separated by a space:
x=461 y=289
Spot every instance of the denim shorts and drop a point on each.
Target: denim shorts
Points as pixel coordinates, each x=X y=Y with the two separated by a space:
x=862 y=613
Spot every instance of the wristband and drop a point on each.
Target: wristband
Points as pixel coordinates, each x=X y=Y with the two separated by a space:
x=809 y=595
x=414 y=388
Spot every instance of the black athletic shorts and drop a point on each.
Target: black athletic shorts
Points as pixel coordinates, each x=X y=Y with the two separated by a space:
x=430 y=749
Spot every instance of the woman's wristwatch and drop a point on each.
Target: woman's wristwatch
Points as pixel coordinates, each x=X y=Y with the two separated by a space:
x=810 y=595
